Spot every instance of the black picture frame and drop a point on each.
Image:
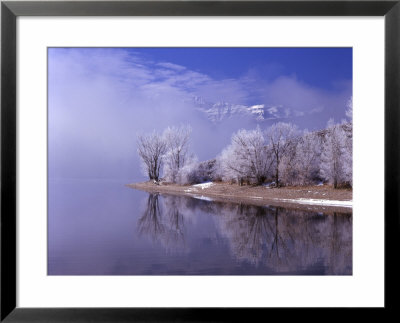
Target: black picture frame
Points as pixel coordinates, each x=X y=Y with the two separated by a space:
x=10 y=10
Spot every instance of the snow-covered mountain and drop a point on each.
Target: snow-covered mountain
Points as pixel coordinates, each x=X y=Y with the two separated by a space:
x=220 y=111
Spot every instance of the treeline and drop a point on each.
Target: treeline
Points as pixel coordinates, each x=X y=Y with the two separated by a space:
x=281 y=155
x=286 y=156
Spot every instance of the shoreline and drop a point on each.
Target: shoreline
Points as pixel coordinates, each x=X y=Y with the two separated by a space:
x=312 y=198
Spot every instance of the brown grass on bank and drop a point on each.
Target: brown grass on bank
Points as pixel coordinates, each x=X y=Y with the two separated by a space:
x=257 y=195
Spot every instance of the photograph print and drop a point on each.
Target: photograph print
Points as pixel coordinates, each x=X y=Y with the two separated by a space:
x=200 y=161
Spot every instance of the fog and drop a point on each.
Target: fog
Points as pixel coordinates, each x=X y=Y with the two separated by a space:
x=99 y=100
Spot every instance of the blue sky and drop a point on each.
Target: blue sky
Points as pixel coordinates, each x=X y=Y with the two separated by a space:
x=321 y=67
x=99 y=99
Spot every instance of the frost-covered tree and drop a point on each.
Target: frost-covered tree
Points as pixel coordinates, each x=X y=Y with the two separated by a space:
x=229 y=168
x=247 y=157
x=348 y=153
x=205 y=171
x=188 y=174
x=288 y=173
x=307 y=159
x=336 y=157
x=151 y=149
x=349 y=111
x=177 y=143
x=348 y=127
x=340 y=135
x=281 y=138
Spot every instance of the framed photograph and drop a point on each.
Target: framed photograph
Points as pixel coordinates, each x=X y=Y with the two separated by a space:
x=162 y=159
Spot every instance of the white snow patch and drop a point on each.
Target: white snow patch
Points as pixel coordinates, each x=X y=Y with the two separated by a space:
x=269 y=185
x=204 y=185
x=320 y=202
x=204 y=198
x=191 y=190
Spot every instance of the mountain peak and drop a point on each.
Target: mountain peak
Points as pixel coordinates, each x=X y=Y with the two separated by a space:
x=220 y=111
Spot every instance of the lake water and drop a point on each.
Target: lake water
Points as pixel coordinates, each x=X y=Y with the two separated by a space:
x=98 y=227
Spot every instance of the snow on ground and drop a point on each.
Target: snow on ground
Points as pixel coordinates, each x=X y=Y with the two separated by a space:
x=204 y=198
x=269 y=185
x=204 y=185
x=319 y=202
x=189 y=190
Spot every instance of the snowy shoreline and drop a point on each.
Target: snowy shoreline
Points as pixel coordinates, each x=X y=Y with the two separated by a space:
x=348 y=204
x=311 y=197
x=320 y=202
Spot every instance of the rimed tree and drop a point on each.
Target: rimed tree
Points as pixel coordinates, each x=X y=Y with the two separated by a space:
x=334 y=159
x=308 y=155
x=247 y=157
x=177 y=143
x=281 y=138
x=151 y=149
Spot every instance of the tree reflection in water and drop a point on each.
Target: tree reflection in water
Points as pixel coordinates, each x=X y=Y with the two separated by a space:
x=284 y=240
x=289 y=240
x=163 y=222
x=150 y=223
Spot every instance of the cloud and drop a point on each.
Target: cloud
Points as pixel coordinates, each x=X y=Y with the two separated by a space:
x=171 y=66
x=300 y=97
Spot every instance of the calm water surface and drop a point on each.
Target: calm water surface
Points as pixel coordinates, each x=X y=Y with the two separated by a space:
x=105 y=228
